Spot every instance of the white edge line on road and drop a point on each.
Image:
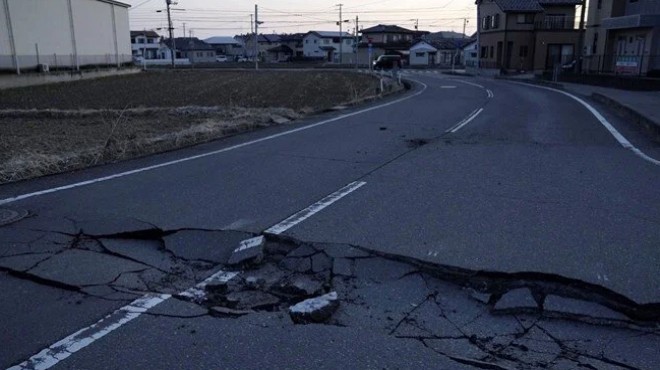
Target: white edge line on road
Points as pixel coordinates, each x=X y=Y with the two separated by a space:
x=468 y=83
x=249 y=243
x=314 y=209
x=66 y=347
x=617 y=135
x=464 y=122
x=170 y=163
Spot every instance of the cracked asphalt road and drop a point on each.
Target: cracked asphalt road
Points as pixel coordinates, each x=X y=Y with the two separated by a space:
x=532 y=185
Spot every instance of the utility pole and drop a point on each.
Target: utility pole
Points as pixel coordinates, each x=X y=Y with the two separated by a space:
x=357 y=42
x=416 y=24
x=465 y=22
x=478 y=38
x=251 y=23
x=341 y=34
x=171 y=29
x=581 y=39
x=256 y=37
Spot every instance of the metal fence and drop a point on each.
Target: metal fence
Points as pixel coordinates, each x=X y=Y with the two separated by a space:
x=62 y=62
x=630 y=65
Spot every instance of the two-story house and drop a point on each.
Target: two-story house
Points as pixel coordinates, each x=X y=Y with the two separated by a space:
x=623 y=36
x=528 y=35
x=190 y=48
x=145 y=44
x=327 y=45
x=231 y=47
x=386 y=39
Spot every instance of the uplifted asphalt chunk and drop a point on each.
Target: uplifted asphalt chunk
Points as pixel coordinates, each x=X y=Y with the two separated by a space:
x=314 y=310
x=249 y=250
x=106 y=227
x=516 y=298
x=214 y=246
x=301 y=286
x=251 y=300
x=579 y=307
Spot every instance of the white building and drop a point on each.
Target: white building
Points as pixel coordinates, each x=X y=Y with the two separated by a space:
x=470 y=55
x=145 y=44
x=63 y=33
x=326 y=45
x=423 y=54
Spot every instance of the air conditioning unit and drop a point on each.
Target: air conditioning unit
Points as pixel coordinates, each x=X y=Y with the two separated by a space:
x=43 y=68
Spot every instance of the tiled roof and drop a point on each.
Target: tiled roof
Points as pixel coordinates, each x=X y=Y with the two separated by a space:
x=145 y=33
x=385 y=28
x=188 y=43
x=519 y=5
x=222 y=40
x=560 y=2
x=329 y=34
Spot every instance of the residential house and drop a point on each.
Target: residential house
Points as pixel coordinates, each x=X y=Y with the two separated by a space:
x=623 y=36
x=295 y=41
x=423 y=54
x=470 y=55
x=529 y=35
x=281 y=53
x=63 y=34
x=264 y=42
x=450 y=47
x=190 y=48
x=231 y=47
x=145 y=44
x=386 y=39
x=326 y=45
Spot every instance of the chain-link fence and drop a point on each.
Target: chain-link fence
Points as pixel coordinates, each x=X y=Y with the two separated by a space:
x=62 y=62
x=630 y=65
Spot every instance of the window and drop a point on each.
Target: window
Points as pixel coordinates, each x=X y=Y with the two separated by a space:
x=524 y=51
x=492 y=52
x=496 y=21
x=326 y=41
x=419 y=54
x=486 y=22
x=594 y=46
x=315 y=41
x=484 y=52
x=525 y=18
x=306 y=41
x=600 y=4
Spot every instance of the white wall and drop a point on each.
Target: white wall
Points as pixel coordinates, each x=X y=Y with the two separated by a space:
x=46 y=23
x=311 y=44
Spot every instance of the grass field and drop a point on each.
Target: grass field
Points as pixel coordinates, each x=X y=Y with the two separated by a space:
x=54 y=128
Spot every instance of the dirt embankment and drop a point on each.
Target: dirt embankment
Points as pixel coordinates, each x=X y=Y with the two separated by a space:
x=56 y=128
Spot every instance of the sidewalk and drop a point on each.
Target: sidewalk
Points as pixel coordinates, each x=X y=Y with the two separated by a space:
x=642 y=104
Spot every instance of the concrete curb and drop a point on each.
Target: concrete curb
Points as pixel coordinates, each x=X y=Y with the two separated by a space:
x=631 y=114
x=533 y=82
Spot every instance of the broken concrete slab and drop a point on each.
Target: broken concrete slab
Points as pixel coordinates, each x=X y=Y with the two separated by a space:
x=212 y=246
x=381 y=270
x=224 y=311
x=579 y=307
x=248 y=251
x=321 y=262
x=279 y=119
x=314 y=310
x=344 y=251
x=251 y=300
x=516 y=298
x=342 y=267
x=149 y=252
x=302 y=265
x=302 y=251
x=23 y=262
x=301 y=286
x=116 y=226
x=80 y=267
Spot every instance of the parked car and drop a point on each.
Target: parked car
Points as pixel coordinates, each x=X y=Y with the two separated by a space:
x=386 y=62
x=221 y=59
x=242 y=59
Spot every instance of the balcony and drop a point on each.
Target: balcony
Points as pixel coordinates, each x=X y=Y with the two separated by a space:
x=552 y=22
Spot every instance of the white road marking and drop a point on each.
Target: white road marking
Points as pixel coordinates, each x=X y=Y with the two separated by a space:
x=490 y=93
x=66 y=347
x=464 y=122
x=613 y=131
x=314 y=208
x=249 y=243
x=469 y=83
x=215 y=152
x=447 y=87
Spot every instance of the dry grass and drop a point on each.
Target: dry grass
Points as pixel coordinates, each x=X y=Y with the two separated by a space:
x=81 y=128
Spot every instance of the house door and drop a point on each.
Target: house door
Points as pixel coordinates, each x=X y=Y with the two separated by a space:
x=509 y=54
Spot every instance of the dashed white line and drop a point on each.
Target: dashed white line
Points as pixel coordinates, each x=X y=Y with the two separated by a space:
x=215 y=152
x=314 y=208
x=464 y=122
x=66 y=347
x=603 y=121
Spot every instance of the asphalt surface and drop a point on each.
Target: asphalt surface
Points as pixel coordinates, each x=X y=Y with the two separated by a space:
x=533 y=183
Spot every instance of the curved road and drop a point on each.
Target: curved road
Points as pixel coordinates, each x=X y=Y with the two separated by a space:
x=475 y=173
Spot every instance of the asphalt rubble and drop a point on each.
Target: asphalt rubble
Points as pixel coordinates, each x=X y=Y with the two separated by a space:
x=471 y=319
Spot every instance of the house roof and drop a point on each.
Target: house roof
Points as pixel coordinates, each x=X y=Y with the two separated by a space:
x=330 y=34
x=386 y=28
x=444 y=35
x=269 y=38
x=292 y=37
x=423 y=46
x=188 y=43
x=531 y=6
x=449 y=44
x=144 y=33
x=113 y=2
x=222 y=40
